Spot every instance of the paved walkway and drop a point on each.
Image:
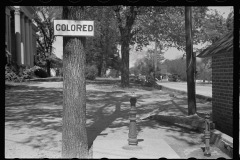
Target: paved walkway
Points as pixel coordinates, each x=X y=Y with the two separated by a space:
x=33 y=119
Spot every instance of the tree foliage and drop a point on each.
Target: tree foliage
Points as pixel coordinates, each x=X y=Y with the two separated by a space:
x=144 y=65
x=214 y=26
x=176 y=66
x=204 y=70
x=126 y=16
x=101 y=50
x=43 y=18
x=167 y=26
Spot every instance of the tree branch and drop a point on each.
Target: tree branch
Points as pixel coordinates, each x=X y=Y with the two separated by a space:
x=117 y=11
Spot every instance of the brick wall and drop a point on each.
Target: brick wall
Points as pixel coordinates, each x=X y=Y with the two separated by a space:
x=222 y=93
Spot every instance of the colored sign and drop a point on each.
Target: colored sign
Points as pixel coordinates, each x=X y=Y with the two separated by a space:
x=73 y=28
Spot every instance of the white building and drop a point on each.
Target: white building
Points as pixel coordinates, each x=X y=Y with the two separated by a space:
x=20 y=34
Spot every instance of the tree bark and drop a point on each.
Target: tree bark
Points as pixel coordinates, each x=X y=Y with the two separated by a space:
x=103 y=69
x=126 y=36
x=48 y=68
x=125 y=63
x=190 y=63
x=74 y=135
x=99 y=69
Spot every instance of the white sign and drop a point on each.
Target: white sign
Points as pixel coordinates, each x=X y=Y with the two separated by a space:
x=73 y=28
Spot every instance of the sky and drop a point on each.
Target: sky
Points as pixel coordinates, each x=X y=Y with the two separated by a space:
x=171 y=53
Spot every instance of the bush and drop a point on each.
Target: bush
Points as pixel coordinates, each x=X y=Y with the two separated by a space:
x=10 y=74
x=113 y=73
x=91 y=72
x=41 y=73
x=19 y=73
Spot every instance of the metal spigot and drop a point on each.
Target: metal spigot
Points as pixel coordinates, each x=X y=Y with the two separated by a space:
x=207 y=136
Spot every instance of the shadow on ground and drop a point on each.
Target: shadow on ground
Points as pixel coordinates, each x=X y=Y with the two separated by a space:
x=40 y=108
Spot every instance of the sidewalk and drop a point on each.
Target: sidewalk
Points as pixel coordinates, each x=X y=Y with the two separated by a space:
x=219 y=139
x=35 y=131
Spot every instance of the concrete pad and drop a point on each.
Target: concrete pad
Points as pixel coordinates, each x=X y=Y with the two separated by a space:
x=151 y=148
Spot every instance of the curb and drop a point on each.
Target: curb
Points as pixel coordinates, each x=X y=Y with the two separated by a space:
x=222 y=141
x=51 y=79
x=207 y=98
x=194 y=122
x=219 y=139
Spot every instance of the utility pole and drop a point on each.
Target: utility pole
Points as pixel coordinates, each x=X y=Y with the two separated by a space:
x=190 y=63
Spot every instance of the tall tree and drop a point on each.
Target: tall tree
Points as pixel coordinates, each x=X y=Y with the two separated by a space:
x=104 y=43
x=144 y=24
x=125 y=16
x=44 y=17
x=74 y=135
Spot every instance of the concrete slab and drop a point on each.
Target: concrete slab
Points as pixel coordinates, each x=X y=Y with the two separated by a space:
x=151 y=148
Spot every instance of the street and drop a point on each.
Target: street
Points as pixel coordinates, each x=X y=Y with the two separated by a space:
x=205 y=90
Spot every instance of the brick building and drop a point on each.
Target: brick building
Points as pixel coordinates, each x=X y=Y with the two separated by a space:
x=20 y=34
x=222 y=82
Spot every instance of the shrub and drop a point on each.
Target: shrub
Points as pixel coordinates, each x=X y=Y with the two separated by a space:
x=40 y=72
x=19 y=73
x=10 y=74
x=113 y=73
x=91 y=72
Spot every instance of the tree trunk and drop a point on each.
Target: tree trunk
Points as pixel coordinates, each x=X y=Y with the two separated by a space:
x=49 y=68
x=99 y=69
x=125 y=63
x=126 y=36
x=74 y=135
x=103 y=69
x=190 y=63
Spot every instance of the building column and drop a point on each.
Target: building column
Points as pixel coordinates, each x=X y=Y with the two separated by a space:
x=18 y=34
x=9 y=35
x=8 y=30
x=34 y=47
x=31 y=43
x=27 y=43
x=23 y=39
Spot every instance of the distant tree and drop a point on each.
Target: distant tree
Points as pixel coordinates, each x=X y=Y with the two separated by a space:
x=102 y=48
x=204 y=70
x=55 y=61
x=43 y=18
x=126 y=16
x=145 y=64
x=177 y=66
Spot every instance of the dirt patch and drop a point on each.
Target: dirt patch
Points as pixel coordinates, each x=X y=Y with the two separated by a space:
x=33 y=113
